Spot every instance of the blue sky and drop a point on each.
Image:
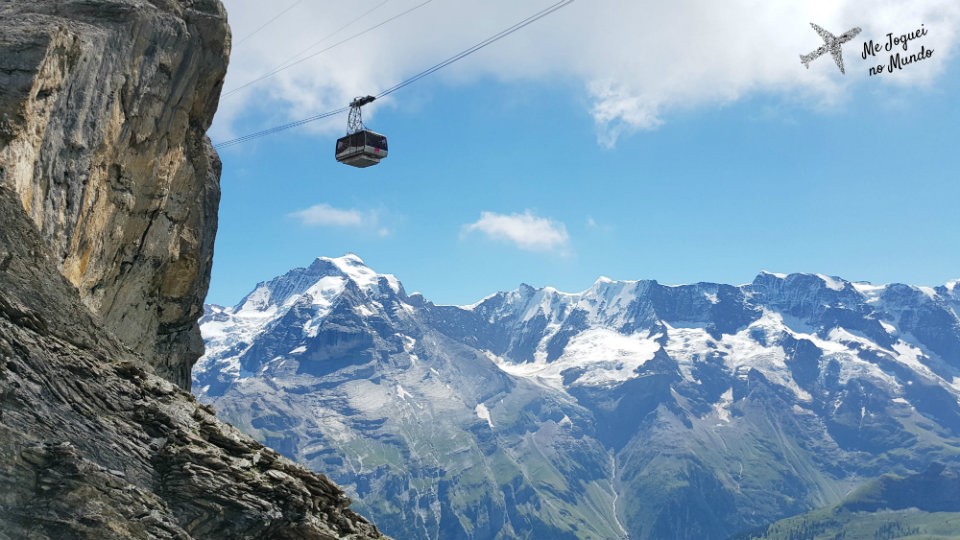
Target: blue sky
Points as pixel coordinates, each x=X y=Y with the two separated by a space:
x=519 y=167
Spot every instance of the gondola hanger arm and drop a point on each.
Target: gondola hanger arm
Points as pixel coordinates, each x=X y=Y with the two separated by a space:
x=361 y=101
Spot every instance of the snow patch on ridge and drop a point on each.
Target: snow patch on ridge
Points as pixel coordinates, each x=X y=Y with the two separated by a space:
x=227 y=330
x=837 y=346
x=722 y=407
x=928 y=291
x=687 y=346
x=606 y=358
x=831 y=283
x=353 y=268
x=229 y=327
x=322 y=293
x=550 y=303
x=743 y=353
x=478 y=303
x=483 y=413
x=402 y=393
x=910 y=356
x=869 y=291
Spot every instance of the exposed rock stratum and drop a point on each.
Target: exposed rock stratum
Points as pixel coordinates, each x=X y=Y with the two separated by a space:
x=103 y=109
x=108 y=204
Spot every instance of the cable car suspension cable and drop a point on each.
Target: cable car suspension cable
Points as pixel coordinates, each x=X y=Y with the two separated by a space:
x=467 y=52
x=436 y=67
x=294 y=61
x=277 y=129
x=266 y=24
x=346 y=25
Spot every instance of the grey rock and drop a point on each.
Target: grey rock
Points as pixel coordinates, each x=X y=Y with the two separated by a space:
x=93 y=445
x=108 y=207
x=103 y=110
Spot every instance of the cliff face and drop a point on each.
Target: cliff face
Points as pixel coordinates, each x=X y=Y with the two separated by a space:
x=103 y=109
x=92 y=446
x=108 y=197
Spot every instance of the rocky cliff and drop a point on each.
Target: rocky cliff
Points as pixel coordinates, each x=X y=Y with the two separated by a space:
x=108 y=197
x=103 y=110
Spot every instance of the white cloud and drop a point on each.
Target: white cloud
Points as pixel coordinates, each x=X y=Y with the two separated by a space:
x=636 y=61
x=526 y=231
x=324 y=215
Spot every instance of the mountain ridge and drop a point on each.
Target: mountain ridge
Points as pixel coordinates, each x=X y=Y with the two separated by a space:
x=637 y=402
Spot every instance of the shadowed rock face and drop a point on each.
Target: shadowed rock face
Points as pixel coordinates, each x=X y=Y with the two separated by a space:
x=103 y=110
x=93 y=446
x=108 y=202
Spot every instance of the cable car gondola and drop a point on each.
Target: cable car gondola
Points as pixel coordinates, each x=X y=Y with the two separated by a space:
x=360 y=147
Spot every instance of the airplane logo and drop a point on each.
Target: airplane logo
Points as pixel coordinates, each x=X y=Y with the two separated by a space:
x=831 y=44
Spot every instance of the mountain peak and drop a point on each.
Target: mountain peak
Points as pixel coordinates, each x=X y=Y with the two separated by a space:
x=352 y=267
x=831 y=282
x=347 y=258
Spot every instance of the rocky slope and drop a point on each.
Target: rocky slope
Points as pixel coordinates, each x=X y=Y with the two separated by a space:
x=93 y=446
x=628 y=409
x=108 y=195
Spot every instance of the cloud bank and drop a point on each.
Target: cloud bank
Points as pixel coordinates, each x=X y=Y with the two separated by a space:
x=635 y=61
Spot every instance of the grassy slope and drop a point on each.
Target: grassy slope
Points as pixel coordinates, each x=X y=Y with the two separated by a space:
x=925 y=505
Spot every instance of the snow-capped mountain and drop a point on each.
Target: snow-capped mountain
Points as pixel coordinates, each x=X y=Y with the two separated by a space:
x=628 y=409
